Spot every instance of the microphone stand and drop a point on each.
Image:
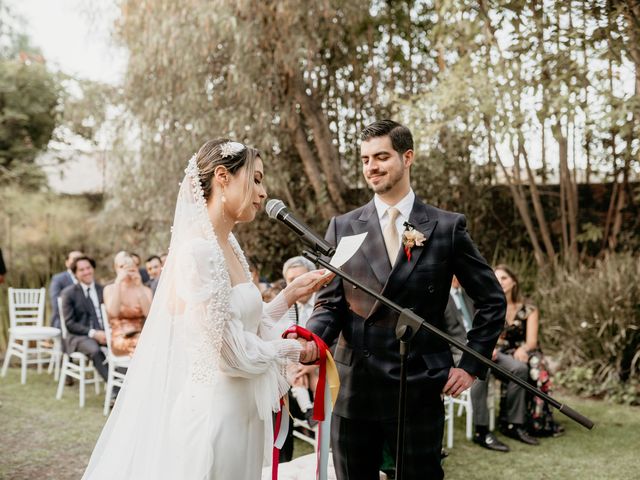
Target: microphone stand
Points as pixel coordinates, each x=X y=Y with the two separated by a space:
x=407 y=327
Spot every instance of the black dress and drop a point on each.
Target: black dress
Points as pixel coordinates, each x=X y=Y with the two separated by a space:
x=539 y=419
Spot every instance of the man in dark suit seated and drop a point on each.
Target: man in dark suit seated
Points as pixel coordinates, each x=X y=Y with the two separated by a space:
x=458 y=317
x=3 y=268
x=409 y=256
x=59 y=282
x=83 y=318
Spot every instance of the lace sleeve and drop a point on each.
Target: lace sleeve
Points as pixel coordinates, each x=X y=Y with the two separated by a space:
x=244 y=354
x=274 y=318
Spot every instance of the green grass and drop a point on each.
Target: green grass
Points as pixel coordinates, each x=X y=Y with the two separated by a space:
x=608 y=451
x=43 y=438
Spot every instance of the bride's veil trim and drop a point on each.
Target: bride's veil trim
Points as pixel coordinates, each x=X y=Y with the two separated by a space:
x=155 y=430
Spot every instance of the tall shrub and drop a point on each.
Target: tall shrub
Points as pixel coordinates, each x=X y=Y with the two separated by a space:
x=591 y=321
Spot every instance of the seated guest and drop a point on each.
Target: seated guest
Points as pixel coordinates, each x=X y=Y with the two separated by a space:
x=127 y=302
x=306 y=376
x=154 y=268
x=143 y=272
x=81 y=312
x=301 y=310
x=270 y=293
x=163 y=258
x=3 y=268
x=518 y=343
x=458 y=319
x=59 y=282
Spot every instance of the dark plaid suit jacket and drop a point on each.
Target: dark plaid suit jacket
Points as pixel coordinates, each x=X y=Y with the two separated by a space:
x=367 y=353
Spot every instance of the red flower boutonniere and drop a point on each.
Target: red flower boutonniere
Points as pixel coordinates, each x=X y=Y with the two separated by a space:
x=410 y=238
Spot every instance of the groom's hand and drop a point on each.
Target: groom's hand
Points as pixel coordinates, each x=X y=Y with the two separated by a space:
x=459 y=380
x=309 y=353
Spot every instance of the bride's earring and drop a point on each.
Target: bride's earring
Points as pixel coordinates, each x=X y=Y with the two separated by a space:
x=223 y=199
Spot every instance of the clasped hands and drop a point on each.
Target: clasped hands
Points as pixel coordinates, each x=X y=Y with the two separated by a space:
x=309 y=353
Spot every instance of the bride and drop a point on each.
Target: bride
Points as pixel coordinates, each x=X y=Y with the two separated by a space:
x=209 y=367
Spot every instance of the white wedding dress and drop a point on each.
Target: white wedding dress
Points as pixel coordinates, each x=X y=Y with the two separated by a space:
x=225 y=413
x=208 y=371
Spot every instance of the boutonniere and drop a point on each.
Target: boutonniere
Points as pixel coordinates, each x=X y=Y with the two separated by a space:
x=411 y=238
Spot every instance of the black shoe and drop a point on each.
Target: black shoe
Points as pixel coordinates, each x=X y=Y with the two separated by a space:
x=489 y=441
x=558 y=430
x=518 y=433
x=68 y=381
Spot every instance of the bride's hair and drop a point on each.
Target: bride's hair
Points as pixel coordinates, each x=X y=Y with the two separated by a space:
x=216 y=153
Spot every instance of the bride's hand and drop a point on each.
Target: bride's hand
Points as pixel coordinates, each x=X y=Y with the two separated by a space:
x=306 y=284
x=309 y=351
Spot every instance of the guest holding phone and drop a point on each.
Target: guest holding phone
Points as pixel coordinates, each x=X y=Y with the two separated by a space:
x=127 y=301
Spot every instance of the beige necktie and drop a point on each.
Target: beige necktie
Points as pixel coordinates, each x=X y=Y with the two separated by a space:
x=390 y=234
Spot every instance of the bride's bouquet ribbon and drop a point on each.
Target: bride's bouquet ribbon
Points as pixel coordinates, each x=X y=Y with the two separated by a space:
x=325 y=399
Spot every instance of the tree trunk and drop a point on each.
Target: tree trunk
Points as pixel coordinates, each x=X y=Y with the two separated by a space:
x=523 y=209
x=323 y=141
x=311 y=169
x=538 y=209
x=568 y=200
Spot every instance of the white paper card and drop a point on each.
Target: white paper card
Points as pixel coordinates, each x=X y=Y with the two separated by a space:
x=347 y=247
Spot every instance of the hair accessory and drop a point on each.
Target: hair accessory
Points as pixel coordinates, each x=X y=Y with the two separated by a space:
x=230 y=148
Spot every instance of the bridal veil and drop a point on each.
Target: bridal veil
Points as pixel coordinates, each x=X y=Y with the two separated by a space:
x=149 y=434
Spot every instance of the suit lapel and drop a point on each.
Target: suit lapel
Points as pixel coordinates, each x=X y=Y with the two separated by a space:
x=99 y=289
x=403 y=267
x=373 y=247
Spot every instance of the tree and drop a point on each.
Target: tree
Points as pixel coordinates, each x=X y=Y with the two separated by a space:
x=296 y=78
x=29 y=98
x=524 y=81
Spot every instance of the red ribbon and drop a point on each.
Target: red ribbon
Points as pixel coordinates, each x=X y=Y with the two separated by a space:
x=275 y=460
x=318 y=401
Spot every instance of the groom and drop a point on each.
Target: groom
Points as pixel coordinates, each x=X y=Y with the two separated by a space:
x=365 y=415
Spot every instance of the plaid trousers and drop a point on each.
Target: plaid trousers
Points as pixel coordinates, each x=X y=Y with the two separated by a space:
x=358 y=443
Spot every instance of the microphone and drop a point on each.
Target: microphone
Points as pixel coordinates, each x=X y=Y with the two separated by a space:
x=277 y=210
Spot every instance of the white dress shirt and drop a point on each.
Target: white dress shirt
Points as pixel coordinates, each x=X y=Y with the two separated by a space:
x=305 y=310
x=404 y=206
x=454 y=294
x=93 y=295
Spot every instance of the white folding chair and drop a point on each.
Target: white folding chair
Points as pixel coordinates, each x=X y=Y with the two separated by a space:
x=29 y=339
x=302 y=436
x=114 y=378
x=465 y=406
x=76 y=365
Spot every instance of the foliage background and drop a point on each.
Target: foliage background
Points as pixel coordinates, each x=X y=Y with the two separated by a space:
x=526 y=117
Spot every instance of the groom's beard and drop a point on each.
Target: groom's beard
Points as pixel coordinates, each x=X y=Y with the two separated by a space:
x=391 y=180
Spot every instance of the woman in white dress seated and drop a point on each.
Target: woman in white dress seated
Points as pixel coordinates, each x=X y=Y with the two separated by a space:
x=209 y=367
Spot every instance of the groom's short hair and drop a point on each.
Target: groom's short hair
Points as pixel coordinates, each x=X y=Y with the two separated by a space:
x=401 y=138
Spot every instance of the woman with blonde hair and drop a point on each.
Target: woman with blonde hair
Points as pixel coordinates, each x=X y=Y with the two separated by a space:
x=127 y=302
